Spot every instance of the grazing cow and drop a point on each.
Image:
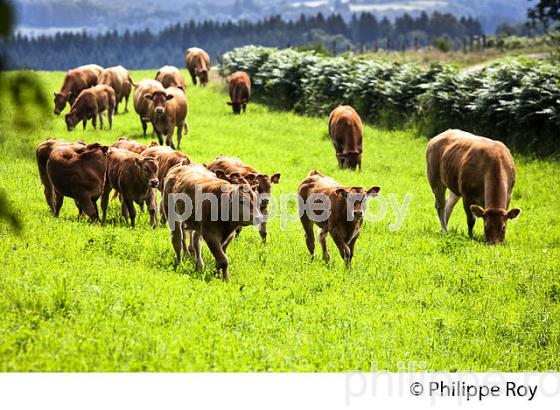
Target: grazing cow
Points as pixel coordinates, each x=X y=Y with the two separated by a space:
x=78 y=173
x=142 y=105
x=262 y=182
x=216 y=221
x=42 y=154
x=119 y=79
x=90 y=104
x=167 y=111
x=130 y=145
x=479 y=170
x=75 y=81
x=239 y=91
x=346 y=131
x=170 y=76
x=344 y=218
x=197 y=62
x=135 y=178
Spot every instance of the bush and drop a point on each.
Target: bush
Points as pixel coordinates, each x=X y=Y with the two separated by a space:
x=516 y=102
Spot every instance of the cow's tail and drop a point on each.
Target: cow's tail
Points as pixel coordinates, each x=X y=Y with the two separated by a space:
x=130 y=81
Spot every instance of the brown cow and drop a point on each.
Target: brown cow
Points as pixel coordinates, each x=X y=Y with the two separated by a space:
x=75 y=81
x=90 y=104
x=344 y=213
x=346 y=132
x=197 y=62
x=170 y=76
x=262 y=182
x=216 y=221
x=141 y=104
x=135 y=178
x=78 y=173
x=130 y=145
x=479 y=170
x=119 y=79
x=167 y=111
x=42 y=154
x=239 y=91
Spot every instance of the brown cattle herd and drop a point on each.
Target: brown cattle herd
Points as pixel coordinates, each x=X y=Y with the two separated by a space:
x=479 y=170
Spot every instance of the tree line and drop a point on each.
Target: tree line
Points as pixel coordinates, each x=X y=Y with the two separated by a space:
x=144 y=49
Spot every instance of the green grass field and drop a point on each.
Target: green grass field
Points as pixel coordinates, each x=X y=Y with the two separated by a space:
x=79 y=297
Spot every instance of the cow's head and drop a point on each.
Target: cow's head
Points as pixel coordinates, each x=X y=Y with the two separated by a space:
x=72 y=119
x=233 y=178
x=245 y=200
x=495 y=221
x=237 y=105
x=158 y=99
x=355 y=198
x=147 y=169
x=351 y=159
x=262 y=184
x=60 y=100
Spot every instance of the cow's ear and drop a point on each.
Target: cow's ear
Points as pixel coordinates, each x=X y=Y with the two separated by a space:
x=373 y=191
x=168 y=97
x=149 y=97
x=220 y=173
x=514 y=213
x=477 y=211
x=229 y=103
x=275 y=178
x=55 y=93
x=250 y=177
x=341 y=192
x=138 y=161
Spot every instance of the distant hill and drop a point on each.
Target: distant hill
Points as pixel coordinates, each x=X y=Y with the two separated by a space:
x=100 y=15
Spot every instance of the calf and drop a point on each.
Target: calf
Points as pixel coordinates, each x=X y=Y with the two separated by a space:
x=170 y=76
x=479 y=170
x=119 y=79
x=129 y=145
x=344 y=207
x=42 y=154
x=92 y=103
x=239 y=91
x=167 y=111
x=135 y=178
x=166 y=158
x=75 y=81
x=198 y=64
x=262 y=182
x=223 y=207
x=142 y=105
x=346 y=132
x=78 y=172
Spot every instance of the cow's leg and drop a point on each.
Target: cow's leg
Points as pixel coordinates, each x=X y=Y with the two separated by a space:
x=159 y=136
x=228 y=240
x=124 y=208
x=471 y=219
x=343 y=249
x=126 y=102
x=94 y=121
x=49 y=195
x=245 y=107
x=186 y=126
x=131 y=210
x=117 y=102
x=58 y=199
x=193 y=76
x=196 y=241
x=449 y=205
x=339 y=158
x=144 y=127
x=101 y=120
x=84 y=122
x=262 y=231
x=351 y=247
x=309 y=234
x=110 y=117
x=177 y=240
x=439 y=194
x=323 y=241
x=151 y=204
x=105 y=201
x=221 y=258
x=180 y=127
x=86 y=204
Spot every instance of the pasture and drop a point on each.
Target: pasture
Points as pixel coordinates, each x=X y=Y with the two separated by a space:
x=82 y=297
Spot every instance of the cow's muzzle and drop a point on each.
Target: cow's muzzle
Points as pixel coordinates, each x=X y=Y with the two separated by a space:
x=154 y=183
